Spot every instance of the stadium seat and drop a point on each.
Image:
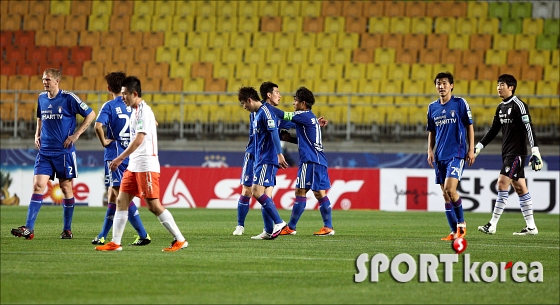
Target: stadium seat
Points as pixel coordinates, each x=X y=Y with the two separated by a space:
x=140 y=23
x=103 y=7
x=551 y=26
x=495 y=57
x=392 y=40
x=218 y=40
x=298 y=55
x=533 y=26
x=18 y=82
x=331 y=72
x=174 y=39
x=354 y=71
x=499 y=10
x=331 y=8
x=268 y=8
x=441 y=67
x=511 y=69
x=422 y=72
x=183 y=23
x=45 y=38
x=254 y=55
x=436 y=41
x=75 y=23
x=503 y=41
x=400 y=25
x=248 y=26
x=511 y=26
x=313 y=24
x=98 y=22
x=531 y=72
x=164 y=8
x=466 y=25
x=411 y=86
x=481 y=87
x=8 y=67
x=290 y=9
x=37 y=53
x=102 y=53
x=319 y=55
x=166 y=54
x=348 y=40
x=334 y=24
x=33 y=22
x=230 y=56
x=390 y=86
x=356 y=24
x=311 y=9
x=394 y=8
x=525 y=41
x=326 y=40
x=11 y=22
x=17 y=7
x=136 y=68
x=384 y=55
x=144 y=7
x=539 y=57
x=373 y=8
x=59 y=54
x=547 y=88
x=547 y=42
x=60 y=7
x=487 y=72
x=459 y=41
x=307 y=71
x=521 y=10
x=555 y=57
x=415 y=9
x=16 y=53
x=477 y=9
x=196 y=40
x=525 y=87
x=421 y=25
x=351 y=9
x=180 y=69
x=211 y=55
x=271 y=72
x=432 y=56
x=111 y=39
x=480 y=41
x=398 y=71
x=55 y=22
x=442 y=8
x=552 y=73
x=268 y=24
x=362 y=55
x=377 y=71
x=407 y=56
x=488 y=26
x=162 y=23
x=292 y=24
x=282 y=40
x=517 y=57
x=29 y=68
x=144 y=54
x=379 y=25
x=229 y=25
x=444 y=25
x=371 y=40
x=72 y=69
x=289 y=71
x=89 y=38
x=474 y=57
x=114 y=66
x=122 y=53
x=276 y=56
x=152 y=39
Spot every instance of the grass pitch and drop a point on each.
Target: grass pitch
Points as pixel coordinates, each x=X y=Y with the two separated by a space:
x=220 y=268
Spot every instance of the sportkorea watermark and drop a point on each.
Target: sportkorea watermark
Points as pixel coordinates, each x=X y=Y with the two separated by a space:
x=425 y=268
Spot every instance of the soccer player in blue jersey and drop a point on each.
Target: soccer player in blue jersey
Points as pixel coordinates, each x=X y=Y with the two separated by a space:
x=267 y=157
x=513 y=119
x=271 y=98
x=450 y=130
x=115 y=116
x=55 y=136
x=312 y=172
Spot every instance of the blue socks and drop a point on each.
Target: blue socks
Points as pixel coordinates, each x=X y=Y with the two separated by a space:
x=68 y=212
x=451 y=218
x=297 y=210
x=270 y=208
x=268 y=222
x=108 y=221
x=325 y=208
x=458 y=207
x=34 y=206
x=242 y=209
x=135 y=221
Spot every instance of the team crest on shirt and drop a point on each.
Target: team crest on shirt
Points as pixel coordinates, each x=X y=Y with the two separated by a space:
x=507 y=169
x=59 y=109
x=509 y=111
x=452 y=113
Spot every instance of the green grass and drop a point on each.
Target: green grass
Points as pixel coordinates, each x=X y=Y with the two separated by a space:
x=220 y=268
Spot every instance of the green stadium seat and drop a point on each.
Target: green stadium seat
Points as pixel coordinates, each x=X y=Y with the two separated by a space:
x=499 y=10
x=512 y=26
x=547 y=42
x=552 y=26
x=521 y=9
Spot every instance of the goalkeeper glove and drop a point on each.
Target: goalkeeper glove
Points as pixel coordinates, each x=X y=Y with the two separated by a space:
x=536 y=161
x=477 y=148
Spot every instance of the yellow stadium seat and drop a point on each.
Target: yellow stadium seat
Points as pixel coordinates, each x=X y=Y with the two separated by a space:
x=292 y=24
x=289 y=71
x=421 y=72
x=384 y=55
x=290 y=9
x=205 y=24
x=189 y=55
x=495 y=57
x=197 y=40
x=460 y=87
x=525 y=41
x=174 y=39
x=218 y=40
x=346 y=86
x=366 y=85
x=459 y=41
x=399 y=71
x=232 y=55
x=60 y=7
x=298 y=55
x=180 y=69
x=379 y=25
x=227 y=24
x=240 y=40
x=283 y=40
x=326 y=40
x=439 y=67
x=400 y=25
x=545 y=87
x=503 y=41
x=319 y=55
x=268 y=8
x=340 y=56
x=310 y=72
x=552 y=73
x=555 y=57
x=162 y=23
x=421 y=25
x=479 y=87
x=227 y=8
x=305 y=40
x=391 y=86
x=444 y=25
x=245 y=70
x=98 y=22
x=143 y=7
x=466 y=25
x=348 y=40
x=164 y=8
x=250 y=25
x=276 y=56
x=412 y=86
x=525 y=87
x=140 y=23
x=488 y=26
x=262 y=40
x=355 y=71
x=311 y=8
x=166 y=54
x=270 y=72
x=334 y=24
x=212 y=55
x=377 y=71
x=183 y=23
x=255 y=55
x=533 y=26
x=477 y=9
x=332 y=72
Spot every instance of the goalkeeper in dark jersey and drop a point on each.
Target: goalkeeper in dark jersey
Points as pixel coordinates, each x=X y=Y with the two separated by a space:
x=513 y=118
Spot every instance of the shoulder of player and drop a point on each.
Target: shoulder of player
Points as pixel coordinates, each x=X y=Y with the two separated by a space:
x=71 y=94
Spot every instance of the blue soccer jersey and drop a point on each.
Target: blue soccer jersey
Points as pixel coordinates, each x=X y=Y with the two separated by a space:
x=265 y=134
x=449 y=121
x=310 y=143
x=58 y=119
x=115 y=115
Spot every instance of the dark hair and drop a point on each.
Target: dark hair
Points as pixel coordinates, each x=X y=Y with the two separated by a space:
x=114 y=81
x=267 y=87
x=132 y=84
x=305 y=95
x=509 y=80
x=442 y=75
x=246 y=93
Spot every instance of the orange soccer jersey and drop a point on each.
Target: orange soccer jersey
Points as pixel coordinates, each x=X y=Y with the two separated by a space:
x=142 y=184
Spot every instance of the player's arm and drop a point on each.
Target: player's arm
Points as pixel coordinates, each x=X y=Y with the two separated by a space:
x=431 y=145
x=101 y=134
x=470 y=137
x=83 y=127
x=128 y=151
x=38 y=133
x=535 y=162
x=277 y=146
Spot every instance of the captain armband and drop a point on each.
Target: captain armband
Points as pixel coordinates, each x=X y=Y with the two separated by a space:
x=288 y=116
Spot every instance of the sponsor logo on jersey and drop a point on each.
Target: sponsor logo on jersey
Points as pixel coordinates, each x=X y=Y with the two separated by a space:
x=525 y=119
x=271 y=123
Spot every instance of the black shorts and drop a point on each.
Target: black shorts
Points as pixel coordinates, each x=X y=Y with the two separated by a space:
x=513 y=167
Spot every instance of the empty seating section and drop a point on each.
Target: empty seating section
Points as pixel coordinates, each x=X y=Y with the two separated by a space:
x=392 y=48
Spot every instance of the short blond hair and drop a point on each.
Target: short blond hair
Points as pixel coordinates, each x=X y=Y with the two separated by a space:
x=54 y=73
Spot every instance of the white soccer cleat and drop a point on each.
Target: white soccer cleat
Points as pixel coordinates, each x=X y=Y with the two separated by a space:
x=278 y=228
x=239 y=230
x=527 y=231
x=263 y=235
x=487 y=229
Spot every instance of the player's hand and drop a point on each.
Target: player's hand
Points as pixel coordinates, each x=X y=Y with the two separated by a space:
x=107 y=142
x=282 y=161
x=70 y=140
x=470 y=158
x=322 y=122
x=536 y=161
x=285 y=135
x=115 y=164
x=478 y=147
x=38 y=142
x=431 y=159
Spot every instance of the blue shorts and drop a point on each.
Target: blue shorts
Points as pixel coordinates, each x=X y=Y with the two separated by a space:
x=114 y=178
x=313 y=176
x=265 y=175
x=62 y=166
x=247 y=172
x=452 y=168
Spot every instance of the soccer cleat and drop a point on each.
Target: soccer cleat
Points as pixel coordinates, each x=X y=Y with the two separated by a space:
x=263 y=235
x=324 y=232
x=66 y=234
x=277 y=229
x=176 y=246
x=527 y=231
x=23 y=232
x=449 y=237
x=487 y=229
x=98 y=241
x=109 y=247
x=461 y=230
x=239 y=230
x=141 y=241
x=287 y=231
